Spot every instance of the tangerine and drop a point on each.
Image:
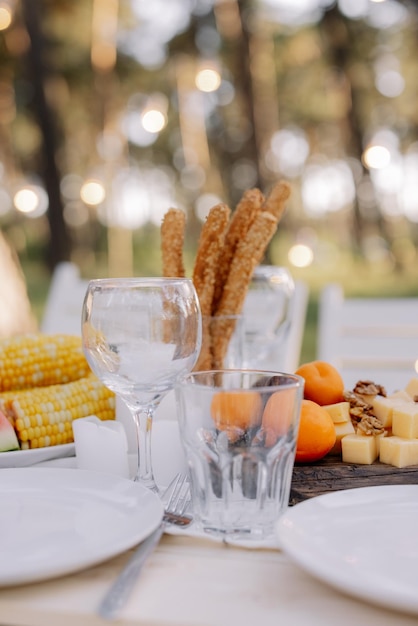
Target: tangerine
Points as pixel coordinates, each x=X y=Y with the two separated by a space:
x=236 y=411
x=316 y=435
x=323 y=382
x=278 y=415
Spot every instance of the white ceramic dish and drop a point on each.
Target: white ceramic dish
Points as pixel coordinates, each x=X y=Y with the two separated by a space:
x=362 y=541
x=57 y=521
x=24 y=458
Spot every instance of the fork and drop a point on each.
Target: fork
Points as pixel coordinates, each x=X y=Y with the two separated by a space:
x=174 y=513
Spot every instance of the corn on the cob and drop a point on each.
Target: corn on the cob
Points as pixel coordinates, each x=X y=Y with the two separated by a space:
x=38 y=360
x=43 y=416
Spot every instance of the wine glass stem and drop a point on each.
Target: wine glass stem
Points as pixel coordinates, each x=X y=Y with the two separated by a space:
x=143 y=423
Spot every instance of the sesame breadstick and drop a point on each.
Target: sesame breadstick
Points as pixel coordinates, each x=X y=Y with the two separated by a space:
x=211 y=240
x=276 y=200
x=204 y=361
x=210 y=244
x=172 y=240
x=241 y=220
x=248 y=255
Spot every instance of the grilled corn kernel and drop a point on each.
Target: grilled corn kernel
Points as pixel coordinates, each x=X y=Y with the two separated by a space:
x=38 y=360
x=32 y=412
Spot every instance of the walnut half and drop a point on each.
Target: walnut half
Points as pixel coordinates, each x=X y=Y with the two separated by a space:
x=361 y=411
x=368 y=389
x=370 y=425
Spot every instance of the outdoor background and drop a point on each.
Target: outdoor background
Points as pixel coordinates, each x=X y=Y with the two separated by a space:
x=111 y=111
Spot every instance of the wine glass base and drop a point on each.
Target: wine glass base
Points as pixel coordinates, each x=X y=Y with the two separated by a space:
x=148 y=483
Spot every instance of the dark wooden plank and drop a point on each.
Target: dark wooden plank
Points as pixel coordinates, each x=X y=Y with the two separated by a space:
x=329 y=474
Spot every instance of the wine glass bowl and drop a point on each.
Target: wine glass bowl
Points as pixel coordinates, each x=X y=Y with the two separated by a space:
x=140 y=335
x=267 y=312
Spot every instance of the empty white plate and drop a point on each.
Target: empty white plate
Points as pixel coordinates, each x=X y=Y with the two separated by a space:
x=57 y=521
x=362 y=541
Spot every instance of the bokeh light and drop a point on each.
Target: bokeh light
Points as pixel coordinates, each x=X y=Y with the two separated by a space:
x=300 y=255
x=208 y=80
x=92 y=192
x=153 y=121
x=5 y=16
x=289 y=149
x=376 y=157
x=327 y=187
x=138 y=196
x=32 y=200
x=390 y=83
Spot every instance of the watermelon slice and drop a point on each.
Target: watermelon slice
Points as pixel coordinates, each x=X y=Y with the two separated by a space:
x=8 y=439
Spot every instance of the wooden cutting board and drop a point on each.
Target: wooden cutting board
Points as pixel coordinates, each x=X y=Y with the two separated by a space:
x=330 y=474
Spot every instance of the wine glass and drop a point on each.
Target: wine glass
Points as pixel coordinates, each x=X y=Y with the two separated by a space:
x=140 y=335
x=267 y=313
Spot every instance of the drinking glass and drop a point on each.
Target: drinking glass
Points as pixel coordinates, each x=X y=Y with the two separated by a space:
x=239 y=431
x=266 y=312
x=140 y=335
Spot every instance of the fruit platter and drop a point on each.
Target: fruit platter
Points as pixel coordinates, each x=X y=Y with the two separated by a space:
x=353 y=438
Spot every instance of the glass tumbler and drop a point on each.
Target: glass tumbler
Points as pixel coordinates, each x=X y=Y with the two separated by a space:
x=239 y=431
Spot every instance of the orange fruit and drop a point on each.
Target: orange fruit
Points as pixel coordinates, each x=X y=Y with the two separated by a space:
x=316 y=434
x=323 y=382
x=236 y=411
x=278 y=415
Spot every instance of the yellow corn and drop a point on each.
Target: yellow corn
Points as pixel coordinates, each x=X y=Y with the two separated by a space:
x=43 y=416
x=38 y=360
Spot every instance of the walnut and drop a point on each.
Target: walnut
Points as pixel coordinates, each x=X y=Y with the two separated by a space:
x=357 y=413
x=359 y=408
x=369 y=389
x=370 y=425
x=355 y=400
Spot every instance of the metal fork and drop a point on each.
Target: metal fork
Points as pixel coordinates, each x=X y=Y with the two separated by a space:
x=174 y=513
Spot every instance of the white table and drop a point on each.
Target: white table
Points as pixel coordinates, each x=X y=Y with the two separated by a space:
x=196 y=582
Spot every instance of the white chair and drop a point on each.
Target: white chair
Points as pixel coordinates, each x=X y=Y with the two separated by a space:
x=64 y=302
x=369 y=338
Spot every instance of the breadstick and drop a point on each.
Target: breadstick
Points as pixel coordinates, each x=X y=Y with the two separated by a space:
x=211 y=240
x=276 y=200
x=248 y=255
x=172 y=239
x=204 y=361
x=241 y=220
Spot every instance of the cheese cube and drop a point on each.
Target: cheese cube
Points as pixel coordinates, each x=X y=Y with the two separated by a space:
x=383 y=409
x=405 y=420
x=400 y=395
x=360 y=449
x=398 y=452
x=340 y=412
x=377 y=438
x=412 y=388
x=341 y=430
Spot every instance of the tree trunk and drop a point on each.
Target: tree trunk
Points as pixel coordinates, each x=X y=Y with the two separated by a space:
x=59 y=244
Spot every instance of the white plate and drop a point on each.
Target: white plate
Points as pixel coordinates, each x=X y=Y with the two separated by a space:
x=362 y=541
x=24 y=458
x=57 y=521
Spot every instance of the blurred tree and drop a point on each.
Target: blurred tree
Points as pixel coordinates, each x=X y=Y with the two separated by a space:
x=300 y=95
x=59 y=247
